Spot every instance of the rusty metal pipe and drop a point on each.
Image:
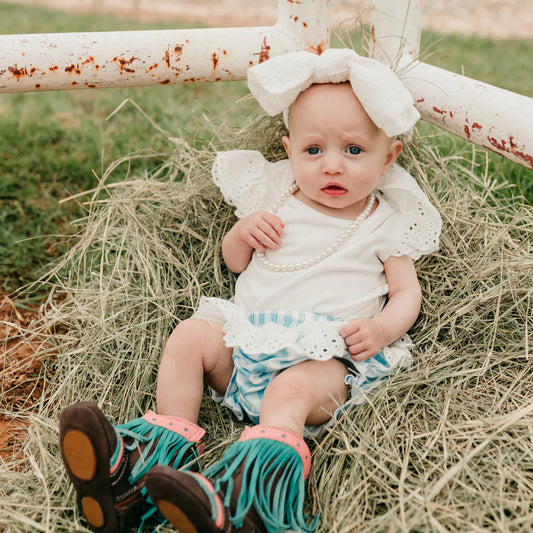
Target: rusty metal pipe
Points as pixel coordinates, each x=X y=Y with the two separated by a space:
x=488 y=116
x=44 y=62
x=395 y=30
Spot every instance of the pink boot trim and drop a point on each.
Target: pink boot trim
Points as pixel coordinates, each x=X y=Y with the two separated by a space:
x=189 y=431
x=116 y=459
x=208 y=487
x=281 y=435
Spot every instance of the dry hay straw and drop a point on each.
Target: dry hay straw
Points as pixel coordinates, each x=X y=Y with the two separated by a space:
x=448 y=444
x=444 y=446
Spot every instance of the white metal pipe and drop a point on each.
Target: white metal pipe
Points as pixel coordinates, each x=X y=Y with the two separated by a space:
x=41 y=62
x=491 y=117
x=485 y=115
x=395 y=30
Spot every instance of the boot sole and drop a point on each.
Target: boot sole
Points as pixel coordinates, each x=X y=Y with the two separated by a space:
x=182 y=501
x=86 y=452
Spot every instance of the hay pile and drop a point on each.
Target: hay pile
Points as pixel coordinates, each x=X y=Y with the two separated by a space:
x=445 y=446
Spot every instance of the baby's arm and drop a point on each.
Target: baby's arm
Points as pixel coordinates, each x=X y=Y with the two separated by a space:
x=259 y=231
x=365 y=337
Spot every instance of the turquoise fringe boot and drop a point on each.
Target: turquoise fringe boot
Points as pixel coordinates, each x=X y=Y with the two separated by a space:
x=258 y=486
x=107 y=463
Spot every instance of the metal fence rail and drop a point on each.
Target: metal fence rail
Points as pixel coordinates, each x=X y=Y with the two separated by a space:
x=491 y=117
x=485 y=115
x=45 y=62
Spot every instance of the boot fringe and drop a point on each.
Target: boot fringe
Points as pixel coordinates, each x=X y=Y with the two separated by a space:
x=272 y=481
x=162 y=446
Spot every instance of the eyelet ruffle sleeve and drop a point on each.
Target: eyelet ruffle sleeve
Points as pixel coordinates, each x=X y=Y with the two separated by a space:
x=419 y=222
x=248 y=181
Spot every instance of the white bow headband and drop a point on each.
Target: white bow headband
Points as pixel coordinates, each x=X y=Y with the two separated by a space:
x=276 y=84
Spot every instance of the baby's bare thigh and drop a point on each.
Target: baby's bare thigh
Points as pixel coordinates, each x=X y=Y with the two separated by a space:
x=320 y=383
x=205 y=339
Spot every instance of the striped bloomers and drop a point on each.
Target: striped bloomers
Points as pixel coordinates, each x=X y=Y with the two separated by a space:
x=265 y=343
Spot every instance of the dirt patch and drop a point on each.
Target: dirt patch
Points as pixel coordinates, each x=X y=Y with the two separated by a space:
x=21 y=371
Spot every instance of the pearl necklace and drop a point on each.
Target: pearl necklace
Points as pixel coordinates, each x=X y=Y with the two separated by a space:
x=300 y=265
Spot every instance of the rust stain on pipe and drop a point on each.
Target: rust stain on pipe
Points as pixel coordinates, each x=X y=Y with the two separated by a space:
x=124 y=64
x=264 y=54
x=319 y=48
x=73 y=69
x=509 y=146
x=18 y=73
x=214 y=60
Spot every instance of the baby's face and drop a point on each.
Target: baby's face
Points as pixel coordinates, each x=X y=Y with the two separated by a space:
x=337 y=153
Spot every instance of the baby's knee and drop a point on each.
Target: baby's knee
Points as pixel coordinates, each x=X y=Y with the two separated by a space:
x=189 y=332
x=288 y=386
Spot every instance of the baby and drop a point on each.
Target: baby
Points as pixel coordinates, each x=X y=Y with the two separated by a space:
x=327 y=290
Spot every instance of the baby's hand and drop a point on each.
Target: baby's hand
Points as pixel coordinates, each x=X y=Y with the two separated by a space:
x=364 y=338
x=261 y=230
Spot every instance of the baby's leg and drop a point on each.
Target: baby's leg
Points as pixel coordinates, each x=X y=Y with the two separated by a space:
x=274 y=450
x=305 y=394
x=195 y=352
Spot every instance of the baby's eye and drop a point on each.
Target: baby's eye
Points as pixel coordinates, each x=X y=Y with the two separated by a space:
x=313 y=150
x=354 y=150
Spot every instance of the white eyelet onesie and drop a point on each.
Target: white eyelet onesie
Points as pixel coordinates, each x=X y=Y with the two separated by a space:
x=278 y=319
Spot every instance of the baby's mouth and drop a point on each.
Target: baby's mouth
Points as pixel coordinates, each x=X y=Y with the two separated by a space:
x=333 y=189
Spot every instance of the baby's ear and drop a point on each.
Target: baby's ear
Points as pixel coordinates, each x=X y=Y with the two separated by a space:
x=394 y=151
x=286 y=144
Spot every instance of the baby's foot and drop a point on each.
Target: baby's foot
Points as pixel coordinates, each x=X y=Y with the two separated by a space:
x=107 y=464
x=99 y=466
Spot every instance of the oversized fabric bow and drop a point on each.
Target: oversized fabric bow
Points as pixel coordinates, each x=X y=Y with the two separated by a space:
x=276 y=84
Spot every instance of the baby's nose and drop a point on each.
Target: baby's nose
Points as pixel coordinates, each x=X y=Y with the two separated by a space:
x=332 y=164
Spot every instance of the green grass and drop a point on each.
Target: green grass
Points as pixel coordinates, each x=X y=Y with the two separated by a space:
x=506 y=64
x=50 y=143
